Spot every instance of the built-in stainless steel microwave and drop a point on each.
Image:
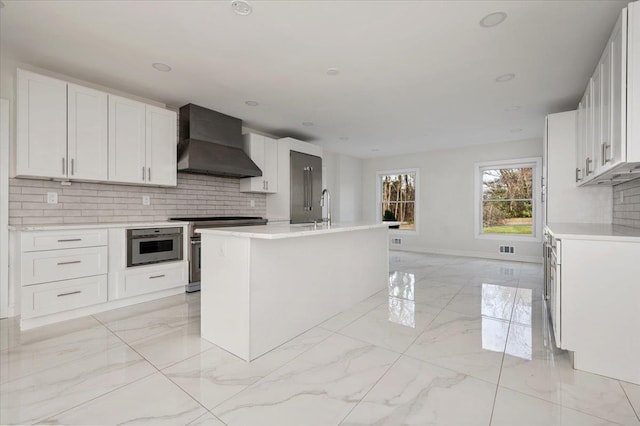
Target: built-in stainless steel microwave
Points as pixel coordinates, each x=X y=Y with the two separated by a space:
x=153 y=245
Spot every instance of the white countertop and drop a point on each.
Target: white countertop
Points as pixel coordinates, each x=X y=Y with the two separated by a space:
x=68 y=227
x=591 y=231
x=279 y=231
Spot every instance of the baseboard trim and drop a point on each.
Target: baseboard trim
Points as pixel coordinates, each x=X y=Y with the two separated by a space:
x=478 y=254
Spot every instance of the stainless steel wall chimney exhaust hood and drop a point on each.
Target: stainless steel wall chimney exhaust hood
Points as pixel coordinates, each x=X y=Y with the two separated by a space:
x=211 y=144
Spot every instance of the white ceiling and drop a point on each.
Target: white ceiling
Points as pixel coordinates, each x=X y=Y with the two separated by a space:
x=414 y=75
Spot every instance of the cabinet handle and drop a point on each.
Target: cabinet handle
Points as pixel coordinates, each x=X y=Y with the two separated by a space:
x=149 y=174
x=143 y=173
x=70 y=240
x=63 y=166
x=70 y=293
x=267 y=184
x=70 y=262
x=605 y=148
x=578 y=178
x=72 y=166
x=156 y=276
x=588 y=161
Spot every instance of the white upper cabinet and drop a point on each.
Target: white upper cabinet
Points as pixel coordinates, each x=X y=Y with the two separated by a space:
x=70 y=132
x=41 y=126
x=142 y=143
x=161 y=150
x=264 y=152
x=612 y=149
x=87 y=133
x=127 y=126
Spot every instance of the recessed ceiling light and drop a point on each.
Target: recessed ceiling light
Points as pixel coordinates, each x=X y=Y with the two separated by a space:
x=252 y=103
x=161 y=67
x=512 y=108
x=333 y=71
x=241 y=7
x=493 y=19
x=307 y=123
x=505 y=77
x=516 y=130
x=344 y=138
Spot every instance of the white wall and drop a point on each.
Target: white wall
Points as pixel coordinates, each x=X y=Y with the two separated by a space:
x=342 y=175
x=446 y=199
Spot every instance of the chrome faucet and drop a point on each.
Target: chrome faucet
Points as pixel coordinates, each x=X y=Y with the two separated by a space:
x=327 y=196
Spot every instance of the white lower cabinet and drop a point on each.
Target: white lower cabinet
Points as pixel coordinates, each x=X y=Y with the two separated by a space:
x=55 y=265
x=51 y=298
x=147 y=279
x=599 y=303
x=65 y=274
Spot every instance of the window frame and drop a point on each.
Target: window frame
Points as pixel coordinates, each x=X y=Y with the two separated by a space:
x=531 y=162
x=416 y=203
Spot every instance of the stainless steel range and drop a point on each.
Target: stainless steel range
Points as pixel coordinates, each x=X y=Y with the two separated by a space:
x=196 y=223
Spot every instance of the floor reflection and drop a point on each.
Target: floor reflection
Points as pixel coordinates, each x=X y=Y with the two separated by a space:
x=402 y=285
x=402 y=307
x=499 y=305
x=402 y=312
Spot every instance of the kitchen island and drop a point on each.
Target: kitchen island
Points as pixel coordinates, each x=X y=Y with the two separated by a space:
x=263 y=285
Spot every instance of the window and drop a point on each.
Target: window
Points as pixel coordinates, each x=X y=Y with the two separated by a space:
x=397 y=197
x=506 y=199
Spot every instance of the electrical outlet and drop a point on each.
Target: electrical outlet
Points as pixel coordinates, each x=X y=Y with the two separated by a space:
x=52 y=198
x=146 y=200
x=252 y=203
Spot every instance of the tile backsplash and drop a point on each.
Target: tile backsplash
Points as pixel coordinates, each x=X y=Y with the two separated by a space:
x=195 y=195
x=626 y=204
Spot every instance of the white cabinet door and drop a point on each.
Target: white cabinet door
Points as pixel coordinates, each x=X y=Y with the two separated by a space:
x=126 y=140
x=596 y=141
x=587 y=155
x=270 y=170
x=264 y=152
x=604 y=156
x=580 y=141
x=87 y=115
x=254 y=148
x=161 y=146
x=618 y=46
x=41 y=126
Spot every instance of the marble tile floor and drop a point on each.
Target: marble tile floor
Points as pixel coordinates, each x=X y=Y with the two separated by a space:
x=454 y=341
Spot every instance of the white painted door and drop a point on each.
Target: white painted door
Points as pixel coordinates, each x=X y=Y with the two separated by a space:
x=161 y=146
x=87 y=133
x=126 y=140
x=270 y=169
x=4 y=208
x=41 y=126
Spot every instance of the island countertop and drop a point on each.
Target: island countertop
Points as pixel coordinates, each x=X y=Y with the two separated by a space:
x=279 y=231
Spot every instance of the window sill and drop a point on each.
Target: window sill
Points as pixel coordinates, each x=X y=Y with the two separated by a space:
x=510 y=237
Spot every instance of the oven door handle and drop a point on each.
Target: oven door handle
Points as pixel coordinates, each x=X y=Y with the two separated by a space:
x=193 y=243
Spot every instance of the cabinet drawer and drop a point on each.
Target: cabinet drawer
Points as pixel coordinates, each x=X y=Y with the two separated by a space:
x=56 y=265
x=50 y=298
x=55 y=240
x=153 y=278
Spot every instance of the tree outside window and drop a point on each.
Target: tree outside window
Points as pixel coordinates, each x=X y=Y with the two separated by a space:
x=398 y=198
x=507 y=200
